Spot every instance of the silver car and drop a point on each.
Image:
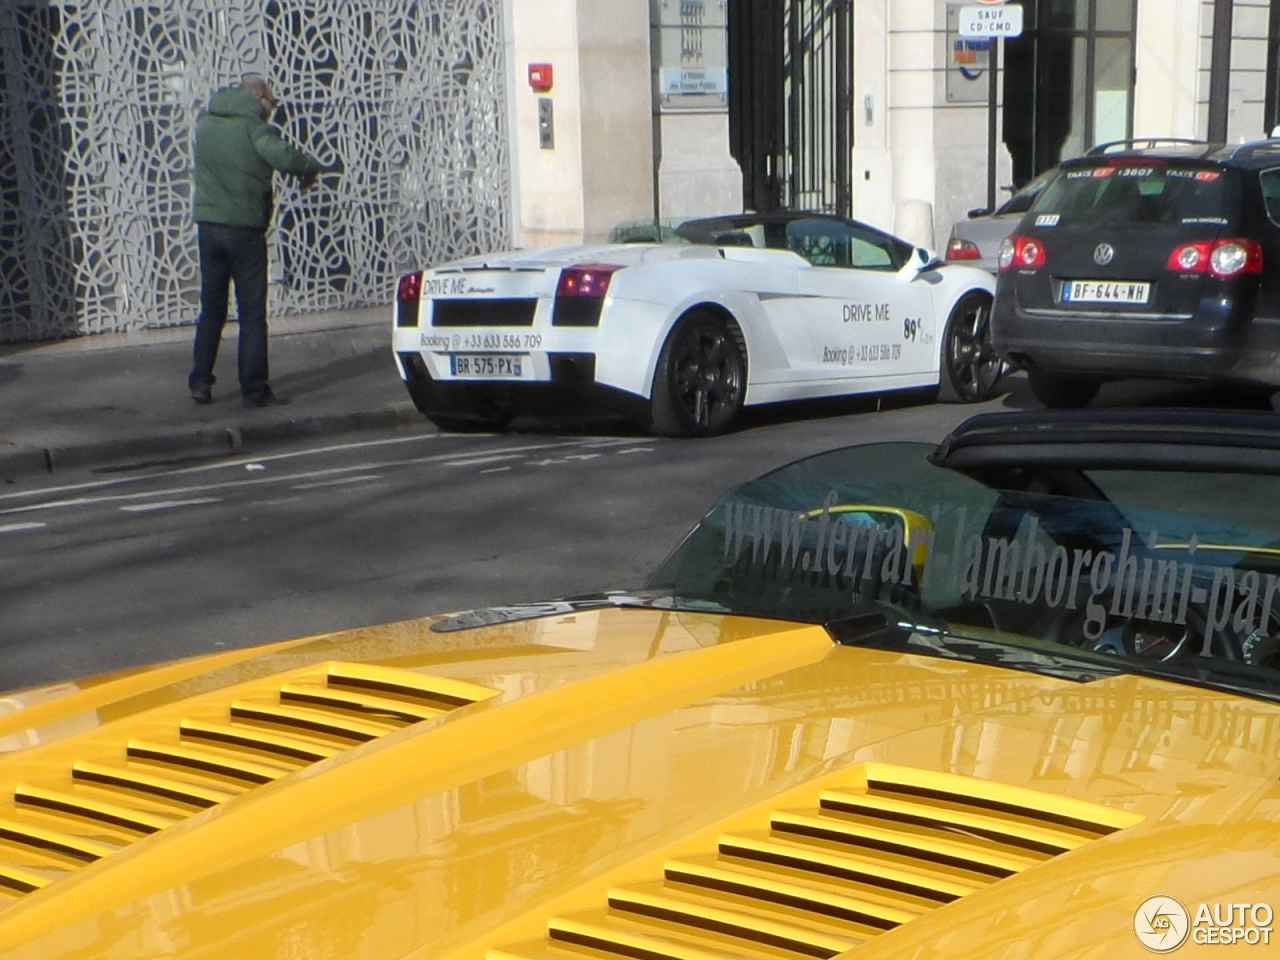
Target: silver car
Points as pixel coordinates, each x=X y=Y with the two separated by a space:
x=976 y=241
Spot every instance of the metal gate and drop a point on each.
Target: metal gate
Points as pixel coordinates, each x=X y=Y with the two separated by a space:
x=790 y=102
x=405 y=101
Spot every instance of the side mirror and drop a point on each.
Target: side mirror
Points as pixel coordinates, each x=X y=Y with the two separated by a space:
x=927 y=260
x=978 y=212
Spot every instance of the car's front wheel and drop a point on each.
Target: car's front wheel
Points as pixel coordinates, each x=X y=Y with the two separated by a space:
x=1057 y=391
x=701 y=379
x=971 y=368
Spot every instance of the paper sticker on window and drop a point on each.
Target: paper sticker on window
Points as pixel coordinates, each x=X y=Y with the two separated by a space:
x=1047 y=220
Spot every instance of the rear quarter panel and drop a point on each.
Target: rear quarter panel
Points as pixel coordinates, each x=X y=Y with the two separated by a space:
x=648 y=300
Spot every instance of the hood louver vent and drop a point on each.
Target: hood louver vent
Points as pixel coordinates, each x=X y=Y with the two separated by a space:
x=53 y=828
x=894 y=845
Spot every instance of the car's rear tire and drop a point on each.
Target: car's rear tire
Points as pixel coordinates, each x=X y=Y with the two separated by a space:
x=971 y=368
x=701 y=379
x=1059 y=391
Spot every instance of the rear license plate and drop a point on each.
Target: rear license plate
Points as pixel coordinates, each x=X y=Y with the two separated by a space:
x=488 y=366
x=1105 y=291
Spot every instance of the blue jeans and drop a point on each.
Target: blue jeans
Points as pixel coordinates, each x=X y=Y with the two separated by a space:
x=232 y=254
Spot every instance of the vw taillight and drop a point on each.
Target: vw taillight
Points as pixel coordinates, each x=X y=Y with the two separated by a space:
x=1019 y=252
x=1221 y=258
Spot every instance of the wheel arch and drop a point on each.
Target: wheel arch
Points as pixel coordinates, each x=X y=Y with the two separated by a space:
x=720 y=312
x=952 y=389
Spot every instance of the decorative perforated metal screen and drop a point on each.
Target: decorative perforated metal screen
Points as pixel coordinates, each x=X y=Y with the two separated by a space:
x=405 y=99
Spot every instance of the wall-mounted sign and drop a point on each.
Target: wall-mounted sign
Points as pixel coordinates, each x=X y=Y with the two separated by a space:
x=679 y=82
x=967 y=63
x=991 y=21
x=692 y=55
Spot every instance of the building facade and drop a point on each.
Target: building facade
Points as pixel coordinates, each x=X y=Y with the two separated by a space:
x=457 y=126
x=913 y=100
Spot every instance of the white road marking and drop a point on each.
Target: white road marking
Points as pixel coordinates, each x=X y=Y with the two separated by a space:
x=476 y=461
x=340 y=481
x=241 y=480
x=108 y=491
x=169 y=504
x=634 y=450
x=19 y=527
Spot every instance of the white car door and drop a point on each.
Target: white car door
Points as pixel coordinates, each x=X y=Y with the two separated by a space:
x=869 y=315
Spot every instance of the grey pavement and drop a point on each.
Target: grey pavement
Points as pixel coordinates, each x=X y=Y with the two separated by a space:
x=121 y=397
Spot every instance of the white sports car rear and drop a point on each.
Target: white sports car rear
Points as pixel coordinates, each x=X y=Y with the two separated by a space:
x=680 y=335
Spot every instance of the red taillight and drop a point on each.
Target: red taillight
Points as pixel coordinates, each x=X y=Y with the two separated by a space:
x=1018 y=252
x=410 y=287
x=586 y=280
x=958 y=249
x=1221 y=258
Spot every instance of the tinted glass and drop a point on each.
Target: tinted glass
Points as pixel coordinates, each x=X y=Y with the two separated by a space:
x=1143 y=567
x=1150 y=194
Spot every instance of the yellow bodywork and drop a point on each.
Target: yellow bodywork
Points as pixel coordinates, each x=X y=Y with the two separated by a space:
x=533 y=789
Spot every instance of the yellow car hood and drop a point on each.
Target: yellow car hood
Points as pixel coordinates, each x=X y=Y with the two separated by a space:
x=621 y=783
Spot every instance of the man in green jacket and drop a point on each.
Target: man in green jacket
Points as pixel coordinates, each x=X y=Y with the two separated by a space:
x=236 y=155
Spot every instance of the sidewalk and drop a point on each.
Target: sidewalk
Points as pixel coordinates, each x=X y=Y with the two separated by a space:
x=115 y=397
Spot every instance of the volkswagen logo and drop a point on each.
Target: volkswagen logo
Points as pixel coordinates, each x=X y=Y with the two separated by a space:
x=1103 y=254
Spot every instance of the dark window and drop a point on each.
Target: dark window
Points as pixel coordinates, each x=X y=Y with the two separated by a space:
x=1068 y=81
x=1144 y=195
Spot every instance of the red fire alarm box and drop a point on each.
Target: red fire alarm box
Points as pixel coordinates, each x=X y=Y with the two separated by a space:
x=540 y=78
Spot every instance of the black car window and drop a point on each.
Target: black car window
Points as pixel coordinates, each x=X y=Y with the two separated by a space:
x=1155 y=194
x=1270 y=180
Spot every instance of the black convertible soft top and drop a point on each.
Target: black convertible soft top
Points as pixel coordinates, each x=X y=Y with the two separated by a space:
x=1012 y=447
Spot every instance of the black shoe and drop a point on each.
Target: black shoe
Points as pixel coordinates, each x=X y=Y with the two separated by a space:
x=266 y=399
x=202 y=394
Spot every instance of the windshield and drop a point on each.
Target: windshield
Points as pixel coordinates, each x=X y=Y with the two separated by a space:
x=1154 y=193
x=1153 y=571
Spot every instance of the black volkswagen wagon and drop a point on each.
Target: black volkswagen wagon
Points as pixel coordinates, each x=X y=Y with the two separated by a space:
x=1159 y=259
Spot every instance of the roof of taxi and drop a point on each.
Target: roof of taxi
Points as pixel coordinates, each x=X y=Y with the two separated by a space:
x=1253 y=155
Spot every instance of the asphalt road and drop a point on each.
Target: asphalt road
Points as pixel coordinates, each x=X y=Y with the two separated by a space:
x=106 y=569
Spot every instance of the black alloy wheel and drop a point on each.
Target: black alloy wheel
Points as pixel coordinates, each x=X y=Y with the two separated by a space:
x=971 y=368
x=701 y=379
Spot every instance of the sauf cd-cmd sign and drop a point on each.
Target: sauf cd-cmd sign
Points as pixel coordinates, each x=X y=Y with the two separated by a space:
x=990 y=20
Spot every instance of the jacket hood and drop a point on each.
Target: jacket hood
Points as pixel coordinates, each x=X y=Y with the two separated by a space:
x=615 y=779
x=235 y=102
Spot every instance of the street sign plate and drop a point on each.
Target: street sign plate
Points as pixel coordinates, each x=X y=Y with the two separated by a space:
x=991 y=21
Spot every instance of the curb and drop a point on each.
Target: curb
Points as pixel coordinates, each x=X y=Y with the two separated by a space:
x=28 y=460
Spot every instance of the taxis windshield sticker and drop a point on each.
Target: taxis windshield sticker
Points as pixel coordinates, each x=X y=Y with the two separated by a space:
x=1048 y=220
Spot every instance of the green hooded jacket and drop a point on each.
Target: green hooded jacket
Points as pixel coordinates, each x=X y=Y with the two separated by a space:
x=236 y=153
